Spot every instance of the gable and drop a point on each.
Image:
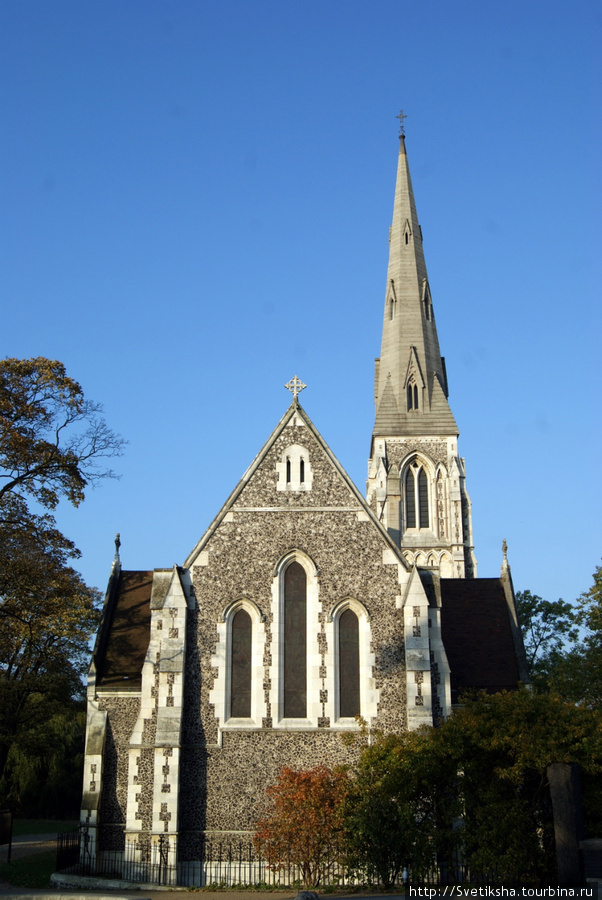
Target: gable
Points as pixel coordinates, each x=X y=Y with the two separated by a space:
x=273 y=484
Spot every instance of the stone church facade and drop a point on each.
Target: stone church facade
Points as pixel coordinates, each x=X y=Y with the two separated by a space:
x=305 y=612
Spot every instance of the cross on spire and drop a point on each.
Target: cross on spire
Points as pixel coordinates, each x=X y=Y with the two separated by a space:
x=401 y=117
x=295 y=386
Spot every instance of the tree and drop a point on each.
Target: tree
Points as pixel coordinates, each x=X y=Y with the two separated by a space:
x=47 y=615
x=547 y=627
x=564 y=643
x=503 y=744
x=400 y=807
x=303 y=823
x=53 y=442
x=475 y=789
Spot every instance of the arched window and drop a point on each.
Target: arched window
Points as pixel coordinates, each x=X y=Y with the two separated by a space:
x=410 y=493
x=412 y=393
x=294 y=469
x=295 y=643
x=416 y=496
x=349 y=665
x=241 y=666
x=423 y=500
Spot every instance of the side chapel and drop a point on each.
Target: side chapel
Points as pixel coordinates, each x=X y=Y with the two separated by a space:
x=303 y=607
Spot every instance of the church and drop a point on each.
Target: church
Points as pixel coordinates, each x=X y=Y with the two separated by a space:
x=307 y=611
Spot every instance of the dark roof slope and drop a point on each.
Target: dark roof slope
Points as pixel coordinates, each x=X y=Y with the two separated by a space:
x=477 y=636
x=119 y=666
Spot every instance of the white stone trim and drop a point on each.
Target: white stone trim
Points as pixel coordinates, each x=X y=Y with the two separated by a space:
x=368 y=693
x=314 y=707
x=294 y=454
x=219 y=695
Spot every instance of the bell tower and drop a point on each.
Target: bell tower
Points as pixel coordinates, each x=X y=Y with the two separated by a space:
x=416 y=480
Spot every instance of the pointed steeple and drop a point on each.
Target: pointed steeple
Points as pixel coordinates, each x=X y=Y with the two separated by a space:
x=410 y=379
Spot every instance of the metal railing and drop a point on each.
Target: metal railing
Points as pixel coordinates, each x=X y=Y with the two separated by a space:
x=220 y=863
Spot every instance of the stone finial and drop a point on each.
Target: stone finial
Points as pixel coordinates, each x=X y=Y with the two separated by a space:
x=116 y=559
x=505 y=563
x=295 y=386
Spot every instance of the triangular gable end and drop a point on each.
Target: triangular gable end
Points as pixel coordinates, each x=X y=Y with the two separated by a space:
x=294 y=418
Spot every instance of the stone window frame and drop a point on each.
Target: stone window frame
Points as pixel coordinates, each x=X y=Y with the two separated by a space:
x=294 y=463
x=314 y=659
x=368 y=693
x=429 y=470
x=222 y=660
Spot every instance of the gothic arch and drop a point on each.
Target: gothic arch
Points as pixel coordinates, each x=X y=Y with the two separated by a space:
x=294 y=673
x=343 y=706
x=294 y=469
x=235 y=664
x=417 y=491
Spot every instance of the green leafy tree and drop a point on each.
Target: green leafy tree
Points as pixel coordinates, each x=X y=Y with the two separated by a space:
x=549 y=628
x=302 y=825
x=503 y=744
x=400 y=807
x=53 y=442
x=474 y=789
x=53 y=445
x=564 y=643
x=47 y=615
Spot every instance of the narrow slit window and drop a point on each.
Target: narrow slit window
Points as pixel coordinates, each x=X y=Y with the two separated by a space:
x=302 y=471
x=288 y=471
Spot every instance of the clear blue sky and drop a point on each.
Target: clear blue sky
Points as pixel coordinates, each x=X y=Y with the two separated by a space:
x=195 y=206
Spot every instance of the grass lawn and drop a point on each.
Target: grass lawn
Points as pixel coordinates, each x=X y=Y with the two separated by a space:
x=31 y=871
x=42 y=826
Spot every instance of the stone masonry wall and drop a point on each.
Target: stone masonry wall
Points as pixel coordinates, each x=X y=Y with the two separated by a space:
x=224 y=774
x=122 y=713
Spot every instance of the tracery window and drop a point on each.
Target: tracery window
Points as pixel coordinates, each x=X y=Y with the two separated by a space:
x=416 y=496
x=412 y=393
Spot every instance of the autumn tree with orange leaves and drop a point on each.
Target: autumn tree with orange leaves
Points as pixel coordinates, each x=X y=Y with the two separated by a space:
x=303 y=823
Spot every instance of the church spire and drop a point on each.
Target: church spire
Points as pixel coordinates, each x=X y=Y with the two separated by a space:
x=416 y=479
x=410 y=378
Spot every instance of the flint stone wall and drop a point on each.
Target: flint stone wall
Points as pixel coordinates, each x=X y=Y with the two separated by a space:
x=221 y=785
x=122 y=713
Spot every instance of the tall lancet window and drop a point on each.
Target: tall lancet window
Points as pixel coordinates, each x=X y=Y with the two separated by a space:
x=295 y=643
x=412 y=392
x=349 y=665
x=416 y=496
x=240 y=671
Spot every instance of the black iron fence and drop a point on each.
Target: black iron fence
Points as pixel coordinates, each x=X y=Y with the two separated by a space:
x=220 y=863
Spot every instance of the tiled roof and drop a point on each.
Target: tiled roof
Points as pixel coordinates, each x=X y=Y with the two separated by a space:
x=120 y=664
x=477 y=636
